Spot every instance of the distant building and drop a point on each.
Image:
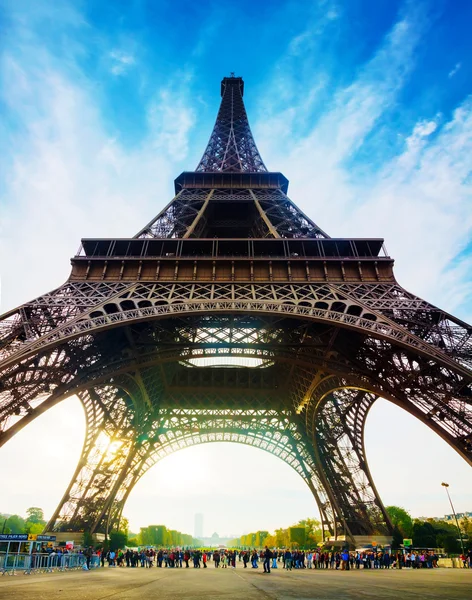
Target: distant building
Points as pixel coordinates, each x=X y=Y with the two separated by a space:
x=449 y=518
x=460 y=517
x=198 y=526
x=215 y=538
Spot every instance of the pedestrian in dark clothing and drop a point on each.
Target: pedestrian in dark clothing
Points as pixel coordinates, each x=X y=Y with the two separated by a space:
x=267 y=557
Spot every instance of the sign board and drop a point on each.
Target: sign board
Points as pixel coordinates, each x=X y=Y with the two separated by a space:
x=13 y=537
x=407 y=543
x=26 y=537
x=70 y=545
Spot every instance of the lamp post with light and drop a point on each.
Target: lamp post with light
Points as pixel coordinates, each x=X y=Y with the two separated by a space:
x=446 y=485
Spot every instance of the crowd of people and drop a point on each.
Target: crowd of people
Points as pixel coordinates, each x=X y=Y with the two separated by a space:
x=273 y=559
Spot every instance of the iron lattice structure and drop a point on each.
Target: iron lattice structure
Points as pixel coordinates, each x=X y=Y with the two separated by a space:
x=232 y=316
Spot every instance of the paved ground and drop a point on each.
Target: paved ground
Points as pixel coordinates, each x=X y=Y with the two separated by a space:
x=239 y=584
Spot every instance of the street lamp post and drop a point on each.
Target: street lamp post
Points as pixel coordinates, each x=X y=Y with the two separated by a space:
x=446 y=485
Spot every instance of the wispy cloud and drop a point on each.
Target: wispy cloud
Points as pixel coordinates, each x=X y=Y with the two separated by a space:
x=419 y=199
x=69 y=175
x=453 y=71
x=121 y=62
x=358 y=173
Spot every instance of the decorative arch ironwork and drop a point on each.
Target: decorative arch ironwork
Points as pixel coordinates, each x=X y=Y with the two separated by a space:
x=232 y=268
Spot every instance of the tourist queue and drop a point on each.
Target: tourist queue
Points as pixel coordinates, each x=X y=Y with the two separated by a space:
x=274 y=559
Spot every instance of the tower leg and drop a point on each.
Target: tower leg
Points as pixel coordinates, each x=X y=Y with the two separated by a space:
x=108 y=452
x=338 y=429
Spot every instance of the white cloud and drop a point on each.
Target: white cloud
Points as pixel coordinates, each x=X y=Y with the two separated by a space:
x=121 y=62
x=418 y=200
x=454 y=70
x=170 y=122
x=68 y=177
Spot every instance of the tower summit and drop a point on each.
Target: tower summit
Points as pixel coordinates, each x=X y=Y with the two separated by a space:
x=231 y=316
x=232 y=148
x=231 y=194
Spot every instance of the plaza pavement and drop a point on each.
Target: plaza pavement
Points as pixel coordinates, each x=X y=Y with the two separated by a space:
x=239 y=584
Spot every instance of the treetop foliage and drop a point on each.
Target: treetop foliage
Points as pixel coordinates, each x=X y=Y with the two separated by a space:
x=401 y=519
x=159 y=535
x=305 y=533
x=33 y=523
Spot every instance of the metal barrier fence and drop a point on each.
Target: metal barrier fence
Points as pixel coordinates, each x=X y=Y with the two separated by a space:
x=12 y=563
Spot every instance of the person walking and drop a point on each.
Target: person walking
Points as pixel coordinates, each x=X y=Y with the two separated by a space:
x=267 y=557
x=88 y=556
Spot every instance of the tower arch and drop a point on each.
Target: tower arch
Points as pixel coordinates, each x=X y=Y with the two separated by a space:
x=232 y=300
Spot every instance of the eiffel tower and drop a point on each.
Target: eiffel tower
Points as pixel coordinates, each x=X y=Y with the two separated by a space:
x=233 y=317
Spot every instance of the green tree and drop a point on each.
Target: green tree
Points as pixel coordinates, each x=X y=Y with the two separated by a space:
x=297 y=536
x=313 y=533
x=270 y=541
x=423 y=534
x=449 y=541
x=447 y=536
x=143 y=536
x=33 y=527
x=161 y=535
x=3 y=524
x=15 y=524
x=167 y=538
x=155 y=535
x=397 y=538
x=260 y=537
x=124 y=525
x=282 y=539
x=176 y=537
x=466 y=528
x=118 y=539
x=401 y=519
x=34 y=514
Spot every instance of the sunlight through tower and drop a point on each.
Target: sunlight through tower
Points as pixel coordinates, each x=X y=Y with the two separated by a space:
x=232 y=316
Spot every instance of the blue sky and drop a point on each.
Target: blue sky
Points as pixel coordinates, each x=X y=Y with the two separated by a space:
x=364 y=105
